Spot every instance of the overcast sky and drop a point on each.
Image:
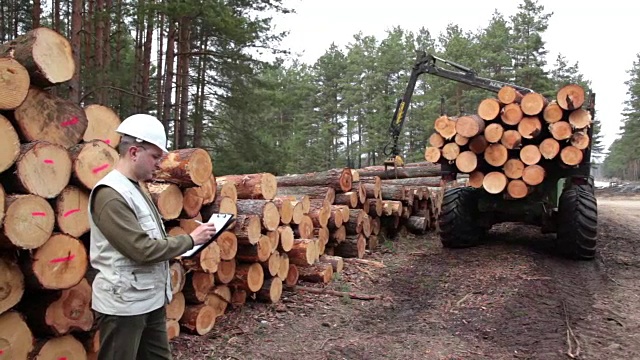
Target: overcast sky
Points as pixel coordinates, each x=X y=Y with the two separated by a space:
x=599 y=35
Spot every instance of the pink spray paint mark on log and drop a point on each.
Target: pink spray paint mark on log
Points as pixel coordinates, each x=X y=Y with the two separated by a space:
x=48 y=161
x=62 y=358
x=38 y=213
x=62 y=259
x=107 y=141
x=97 y=169
x=72 y=121
x=71 y=212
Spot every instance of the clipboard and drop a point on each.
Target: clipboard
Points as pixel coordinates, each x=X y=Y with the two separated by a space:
x=222 y=221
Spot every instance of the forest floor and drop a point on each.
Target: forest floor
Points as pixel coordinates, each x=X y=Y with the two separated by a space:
x=511 y=298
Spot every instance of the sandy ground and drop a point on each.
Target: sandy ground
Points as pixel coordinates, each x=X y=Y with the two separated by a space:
x=511 y=298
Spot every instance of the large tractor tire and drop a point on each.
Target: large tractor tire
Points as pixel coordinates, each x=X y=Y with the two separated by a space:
x=577 y=223
x=458 y=219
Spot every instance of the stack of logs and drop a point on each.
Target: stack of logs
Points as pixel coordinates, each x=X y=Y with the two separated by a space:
x=288 y=228
x=513 y=140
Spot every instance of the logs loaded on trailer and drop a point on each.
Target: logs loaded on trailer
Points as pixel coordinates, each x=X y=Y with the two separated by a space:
x=508 y=145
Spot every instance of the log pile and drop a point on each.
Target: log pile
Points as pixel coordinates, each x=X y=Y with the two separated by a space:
x=292 y=228
x=512 y=140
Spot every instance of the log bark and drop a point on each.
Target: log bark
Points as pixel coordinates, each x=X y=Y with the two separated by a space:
x=41 y=169
x=72 y=212
x=91 y=162
x=197 y=286
x=60 y=312
x=44 y=116
x=392 y=192
x=417 y=224
x=511 y=114
x=58 y=264
x=16 y=339
x=46 y=54
x=185 y=167
x=198 y=319
x=353 y=246
x=470 y=125
x=317 y=273
x=248 y=277
x=9 y=144
x=303 y=252
x=168 y=199
x=11 y=284
x=336 y=262
x=570 y=97
x=349 y=198
x=533 y=103
x=266 y=209
x=425 y=170
x=494 y=182
x=508 y=95
x=102 y=125
x=255 y=253
x=247 y=229
x=419 y=181
x=14 y=83
x=253 y=186
x=338 y=179
x=271 y=290
x=26 y=212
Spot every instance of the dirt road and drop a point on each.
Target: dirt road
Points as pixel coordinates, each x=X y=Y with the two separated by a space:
x=511 y=298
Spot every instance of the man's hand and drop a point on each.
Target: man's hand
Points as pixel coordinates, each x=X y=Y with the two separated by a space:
x=203 y=233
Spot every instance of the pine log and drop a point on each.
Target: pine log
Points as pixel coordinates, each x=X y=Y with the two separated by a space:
x=493 y=132
x=303 y=252
x=338 y=235
x=63 y=347
x=489 y=109
x=60 y=312
x=533 y=103
x=191 y=202
x=42 y=169
x=470 y=125
x=533 y=175
x=219 y=298
x=417 y=224
x=247 y=229
x=207 y=191
x=286 y=238
x=530 y=155
x=227 y=189
x=389 y=208
x=238 y=297
x=178 y=276
x=272 y=265
x=253 y=186
x=371 y=185
x=419 y=181
x=91 y=162
x=339 y=179
x=173 y=330
x=355 y=176
x=72 y=213
x=392 y=192
x=432 y=154
x=228 y=245
x=9 y=144
x=530 y=127
x=570 y=155
x=198 y=319
x=494 y=182
x=580 y=118
x=513 y=168
x=353 y=246
x=298 y=209
x=425 y=170
x=271 y=290
x=266 y=209
x=477 y=144
x=580 y=140
x=26 y=212
x=496 y=155
x=248 y=277
x=561 y=130
x=206 y=260
x=374 y=206
x=186 y=167
x=46 y=117
x=58 y=264
x=436 y=140
x=292 y=276
x=222 y=204
x=168 y=199
x=285 y=208
x=511 y=139
x=14 y=83
x=450 y=151
x=188 y=225
x=570 y=97
x=16 y=339
x=461 y=140
x=319 y=212
x=283 y=270
x=511 y=114
x=11 y=284
x=349 y=198
x=549 y=148
x=517 y=189
x=274 y=239
x=255 y=253
x=467 y=161
x=102 y=125
x=304 y=229
x=445 y=126
x=175 y=309
x=226 y=271
x=316 y=273
x=476 y=179
x=552 y=113
x=336 y=262
x=507 y=95
x=197 y=286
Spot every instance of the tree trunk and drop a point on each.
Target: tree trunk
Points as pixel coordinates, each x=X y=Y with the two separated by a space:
x=146 y=62
x=72 y=211
x=339 y=179
x=102 y=125
x=184 y=35
x=91 y=162
x=406 y=172
x=252 y=186
x=186 y=167
x=14 y=83
x=26 y=212
x=169 y=73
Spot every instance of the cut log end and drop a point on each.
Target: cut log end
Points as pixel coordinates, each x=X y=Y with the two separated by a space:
x=494 y=182
x=72 y=311
x=493 y=132
x=52 y=54
x=511 y=114
x=186 y=167
x=549 y=148
x=72 y=213
x=508 y=95
x=476 y=179
x=28 y=221
x=570 y=155
x=43 y=169
x=533 y=175
x=16 y=339
x=271 y=290
x=570 y=97
x=467 y=161
x=11 y=284
x=552 y=113
x=496 y=154
x=60 y=263
x=470 y=125
x=530 y=154
x=561 y=130
x=432 y=154
x=168 y=199
x=14 y=83
x=92 y=161
x=529 y=127
x=517 y=189
x=9 y=144
x=580 y=118
x=513 y=168
x=102 y=125
x=489 y=109
x=580 y=140
x=533 y=103
x=198 y=319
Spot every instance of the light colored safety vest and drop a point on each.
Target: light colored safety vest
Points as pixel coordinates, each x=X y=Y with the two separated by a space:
x=122 y=286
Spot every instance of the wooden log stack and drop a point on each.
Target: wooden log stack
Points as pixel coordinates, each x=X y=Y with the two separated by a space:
x=512 y=140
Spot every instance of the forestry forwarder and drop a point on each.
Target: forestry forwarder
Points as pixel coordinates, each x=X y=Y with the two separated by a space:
x=564 y=203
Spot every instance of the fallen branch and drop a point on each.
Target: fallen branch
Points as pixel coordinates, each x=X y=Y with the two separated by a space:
x=377 y=264
x=338 y=293
x=571 y=337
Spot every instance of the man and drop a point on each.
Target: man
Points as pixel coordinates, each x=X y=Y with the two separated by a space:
x=131 y=250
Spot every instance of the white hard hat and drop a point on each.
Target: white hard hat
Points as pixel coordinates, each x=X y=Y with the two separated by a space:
x=145 y=127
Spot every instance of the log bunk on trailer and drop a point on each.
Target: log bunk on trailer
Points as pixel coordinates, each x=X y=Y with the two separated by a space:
x=528 y=159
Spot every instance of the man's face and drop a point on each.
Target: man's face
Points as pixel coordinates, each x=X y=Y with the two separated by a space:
x=147 y=161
